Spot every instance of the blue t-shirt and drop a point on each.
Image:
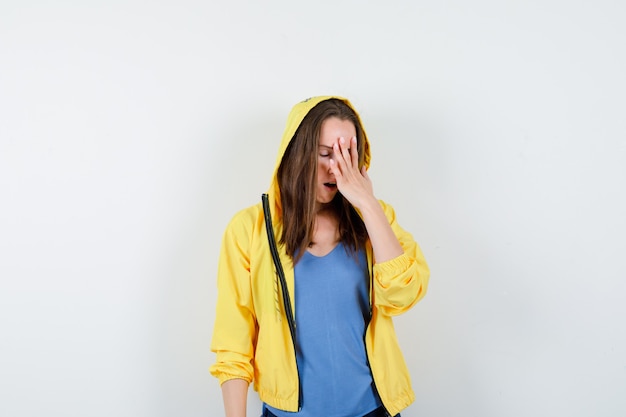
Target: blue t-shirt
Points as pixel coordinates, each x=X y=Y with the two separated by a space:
x=332 y=312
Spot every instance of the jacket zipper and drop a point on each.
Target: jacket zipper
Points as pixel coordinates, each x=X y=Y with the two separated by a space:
x=283 y=284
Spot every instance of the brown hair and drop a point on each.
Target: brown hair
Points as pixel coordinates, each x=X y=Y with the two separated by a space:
x=297 y=176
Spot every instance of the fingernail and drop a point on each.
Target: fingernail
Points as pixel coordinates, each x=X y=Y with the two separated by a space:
x=342 y=140
x=354 y=139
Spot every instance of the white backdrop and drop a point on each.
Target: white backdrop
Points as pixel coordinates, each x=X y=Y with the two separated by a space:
x=131 y=131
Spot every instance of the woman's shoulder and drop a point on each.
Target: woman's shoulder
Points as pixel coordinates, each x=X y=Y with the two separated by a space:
x=247 y=216
x=245 y=223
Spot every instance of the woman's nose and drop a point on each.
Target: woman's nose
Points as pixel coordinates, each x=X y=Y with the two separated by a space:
x=327 y=165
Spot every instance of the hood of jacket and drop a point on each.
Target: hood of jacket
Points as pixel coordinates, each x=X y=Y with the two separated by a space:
x=296 y=115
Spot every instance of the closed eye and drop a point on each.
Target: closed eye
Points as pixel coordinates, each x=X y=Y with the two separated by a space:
x=325 y=151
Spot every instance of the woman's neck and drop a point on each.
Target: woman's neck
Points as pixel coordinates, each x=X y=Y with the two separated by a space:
x=325 y=232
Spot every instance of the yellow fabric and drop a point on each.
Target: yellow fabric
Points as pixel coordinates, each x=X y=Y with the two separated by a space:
x=251 y=335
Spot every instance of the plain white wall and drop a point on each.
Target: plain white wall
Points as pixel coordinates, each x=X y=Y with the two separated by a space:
x=131 y=131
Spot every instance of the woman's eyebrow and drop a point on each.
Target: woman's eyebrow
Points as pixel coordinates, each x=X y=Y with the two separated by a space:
x=326 y=146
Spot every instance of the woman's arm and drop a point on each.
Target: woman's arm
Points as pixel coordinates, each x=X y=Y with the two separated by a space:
x=400 y=271
x=235 y=395
x=356 y=186
x=385 y=244
x=401 y=282
x=234 y=331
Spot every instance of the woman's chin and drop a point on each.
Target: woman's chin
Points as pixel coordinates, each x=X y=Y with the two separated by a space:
x=325 y=201
x=326 y=198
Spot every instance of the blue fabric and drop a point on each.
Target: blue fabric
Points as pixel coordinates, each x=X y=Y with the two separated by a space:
x=332 y=312
x=379 y=412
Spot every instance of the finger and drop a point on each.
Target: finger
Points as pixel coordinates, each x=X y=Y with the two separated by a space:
x=345 y=149
x=339 y=157
x=364 y=172
x=354 y=153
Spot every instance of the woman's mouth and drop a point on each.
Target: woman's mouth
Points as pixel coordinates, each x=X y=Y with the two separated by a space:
x=330 y=185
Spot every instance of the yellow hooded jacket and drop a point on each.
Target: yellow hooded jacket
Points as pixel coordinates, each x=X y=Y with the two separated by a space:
x=251 y=336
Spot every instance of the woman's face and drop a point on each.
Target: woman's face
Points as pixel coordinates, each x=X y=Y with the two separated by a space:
x=333 y=128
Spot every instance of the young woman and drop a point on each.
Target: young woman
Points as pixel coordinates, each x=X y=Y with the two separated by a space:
x=309 y=279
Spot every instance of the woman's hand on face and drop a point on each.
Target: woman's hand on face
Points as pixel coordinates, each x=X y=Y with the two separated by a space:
x=354 y=184
x=356 y=187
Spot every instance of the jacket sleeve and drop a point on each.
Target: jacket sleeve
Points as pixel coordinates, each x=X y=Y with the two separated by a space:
x=400 y=282
x=235 y=329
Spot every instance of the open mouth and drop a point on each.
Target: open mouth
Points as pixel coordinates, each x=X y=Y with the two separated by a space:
x=330 y=185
